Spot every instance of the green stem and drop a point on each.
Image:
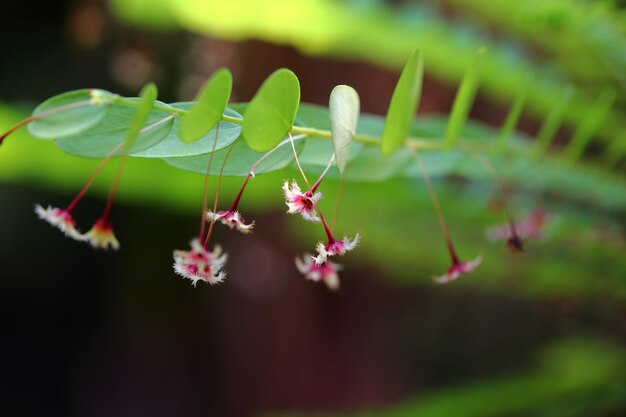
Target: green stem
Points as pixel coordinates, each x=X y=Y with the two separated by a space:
x=411 y=142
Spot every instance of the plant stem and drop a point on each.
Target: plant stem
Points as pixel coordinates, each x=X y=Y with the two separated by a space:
x=255 y=165
x=437 y=206
x=91 y=179
x=411 y=142
x=217 y=194
x=206 y=186
x=319 y=180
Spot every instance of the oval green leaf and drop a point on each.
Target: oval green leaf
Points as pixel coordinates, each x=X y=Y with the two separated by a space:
x=209 y=108
x=403 y=105
x=272 y=111
x=69 y=113
x=344 y=109
x=172 y=146
x=99 y=140
x=463 y=101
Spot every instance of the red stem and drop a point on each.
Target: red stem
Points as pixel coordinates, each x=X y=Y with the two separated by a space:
x=116 y=181
x=437 y=206
x=206 y=186
x=217 y=194
x=91 y=179
x=233 y=207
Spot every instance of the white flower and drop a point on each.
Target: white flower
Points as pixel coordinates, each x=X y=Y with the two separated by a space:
x=326 y=272
x=231 y=219
x=61 y=219
x=299 y=202
x=200 y=264
x=101 y=236
x=336 y=247
x=457 y=269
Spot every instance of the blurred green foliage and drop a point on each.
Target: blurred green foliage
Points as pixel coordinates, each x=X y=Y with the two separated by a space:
x=581 y=43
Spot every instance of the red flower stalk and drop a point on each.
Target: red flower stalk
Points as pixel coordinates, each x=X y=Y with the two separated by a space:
x=458 y=267
x=62 y=219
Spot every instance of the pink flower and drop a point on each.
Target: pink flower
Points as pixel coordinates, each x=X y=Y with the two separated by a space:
x=335 y=247
x=231 y=219
x=458 y=268
x=200 y=264
x=61 y=219
x=299 y=202
x=326 y=271
x=101 y=235
x=528 y=228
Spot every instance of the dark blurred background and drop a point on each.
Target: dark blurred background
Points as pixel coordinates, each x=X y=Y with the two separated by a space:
x=89 y=333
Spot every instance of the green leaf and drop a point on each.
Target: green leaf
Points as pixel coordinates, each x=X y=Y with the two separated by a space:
x=404 y=103
x=553 y=121
x=512 y=118
x=463 y=101
x=272 y=111
x=615 y=151
x=589 y=126
x=173 y=146
x=239 y=161
x=209 y=108
x=69 y=113
x=147 y=96
x=99 y=140
x=344 y=114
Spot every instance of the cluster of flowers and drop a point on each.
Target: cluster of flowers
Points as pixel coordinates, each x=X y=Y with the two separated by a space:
x=101 y=235
x=201 y=264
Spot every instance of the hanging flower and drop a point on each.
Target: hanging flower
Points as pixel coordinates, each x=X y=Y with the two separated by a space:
x=457 y=269
x=530 y=227
x=101 y=235
x=326 y=271
x=230 y=218
x=299 y=202
x=335 y=247
x=200 y=264
x=61 y=219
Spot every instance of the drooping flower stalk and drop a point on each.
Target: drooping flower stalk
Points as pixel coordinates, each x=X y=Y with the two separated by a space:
x=514 y=242
x=199 y=263
x=217 y=195
x=205 y=192
x=458 y=266
x=304 y=203
x=62 y=218
x=231 y=217
x=334 y=246
x=101 y=235
x=437 y=206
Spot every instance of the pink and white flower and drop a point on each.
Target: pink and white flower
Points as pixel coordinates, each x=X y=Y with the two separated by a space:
x=335 y=247
x=530 y=227
x=299 y=202
x=230 y=218
x=457 y=269
x=326 y=271
x=200 y=264
x=61 y=219
x=101 y=235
